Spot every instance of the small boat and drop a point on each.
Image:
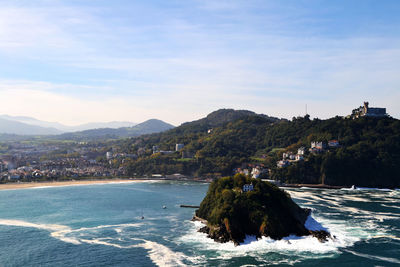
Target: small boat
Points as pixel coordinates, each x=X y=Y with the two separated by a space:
x=164 y=207
x=142 y=217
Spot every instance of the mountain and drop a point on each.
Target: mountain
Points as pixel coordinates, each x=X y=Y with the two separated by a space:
x=32 y=121
x=98 y=125
x=219 y=118
x=65 y=128
x=147 y=127
x=20 y=128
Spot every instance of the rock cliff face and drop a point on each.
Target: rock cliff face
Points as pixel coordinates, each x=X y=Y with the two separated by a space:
x=266 y=210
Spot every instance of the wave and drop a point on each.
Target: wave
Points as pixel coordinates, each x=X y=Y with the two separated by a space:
x=345 y=235
x=160 y=255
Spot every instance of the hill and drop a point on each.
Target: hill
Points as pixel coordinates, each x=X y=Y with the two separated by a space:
x=368 y=154
x=147 y=127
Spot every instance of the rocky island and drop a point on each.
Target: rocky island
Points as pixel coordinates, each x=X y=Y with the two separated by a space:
x=238 y=206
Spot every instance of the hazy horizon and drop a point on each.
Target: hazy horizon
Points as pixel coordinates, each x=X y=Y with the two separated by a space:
x=77 y=62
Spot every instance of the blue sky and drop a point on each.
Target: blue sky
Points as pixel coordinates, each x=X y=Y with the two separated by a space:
x=81 y=61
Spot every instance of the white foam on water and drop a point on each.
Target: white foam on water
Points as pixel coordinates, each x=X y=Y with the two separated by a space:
x=61 y=235
x=49 y=227
x=373 y=257
x=344 y=234
x=374 y=189
x=265 y=244
x=158 y=253
x=162 y=255
x=44 y=186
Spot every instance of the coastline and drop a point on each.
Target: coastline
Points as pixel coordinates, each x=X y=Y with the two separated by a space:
x=24 y=185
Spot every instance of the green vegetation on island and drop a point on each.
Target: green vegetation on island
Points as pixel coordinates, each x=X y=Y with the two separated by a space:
x=238 y=206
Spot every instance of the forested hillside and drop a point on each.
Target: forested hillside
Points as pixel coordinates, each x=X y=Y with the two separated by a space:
x=368 y=155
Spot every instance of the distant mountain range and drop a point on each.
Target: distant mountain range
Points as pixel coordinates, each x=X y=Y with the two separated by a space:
x=15 y=127
x=61 y=128
x=12 y=127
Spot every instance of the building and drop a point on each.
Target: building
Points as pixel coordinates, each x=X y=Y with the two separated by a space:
x=109 y=155
x=248 y=187
x=283 y=163
x=179 y=147
x=301 y=150
x=155 y=149
x=367 y=111
x=288 y=155
x=255 y=172
x=259 y=172
x=333 y=143
x=14 y=176
x=317 y=145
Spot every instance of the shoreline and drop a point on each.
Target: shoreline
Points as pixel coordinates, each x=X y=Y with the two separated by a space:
x=25 y=185
x=56 y=183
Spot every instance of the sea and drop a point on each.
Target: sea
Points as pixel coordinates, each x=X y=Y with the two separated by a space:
x=142 y=224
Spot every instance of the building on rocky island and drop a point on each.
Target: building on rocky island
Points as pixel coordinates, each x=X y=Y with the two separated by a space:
x=248 y=187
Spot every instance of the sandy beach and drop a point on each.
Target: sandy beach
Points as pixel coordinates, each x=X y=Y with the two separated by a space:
x=9 y=186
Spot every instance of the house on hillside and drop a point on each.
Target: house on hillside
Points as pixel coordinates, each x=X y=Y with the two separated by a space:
x=301 y=150
x=179 y=147
x=283 y=163
x=288 y=155
x=317 y=147
x=333 y=143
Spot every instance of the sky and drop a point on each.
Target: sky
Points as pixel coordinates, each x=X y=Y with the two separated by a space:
x=80 y=61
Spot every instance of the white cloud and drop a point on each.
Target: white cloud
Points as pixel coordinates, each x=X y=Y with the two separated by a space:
x=178 y=69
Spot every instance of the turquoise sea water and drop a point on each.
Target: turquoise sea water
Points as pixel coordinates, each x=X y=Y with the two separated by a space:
x=101 y=225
